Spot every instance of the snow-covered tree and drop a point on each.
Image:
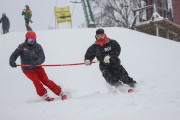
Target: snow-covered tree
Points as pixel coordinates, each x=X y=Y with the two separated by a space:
x=110 y=13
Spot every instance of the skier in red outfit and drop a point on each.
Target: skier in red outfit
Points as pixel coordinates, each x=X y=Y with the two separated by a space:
x=31 y=53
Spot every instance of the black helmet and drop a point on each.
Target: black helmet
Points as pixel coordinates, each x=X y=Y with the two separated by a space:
x=4 y=14
x=100 y=31
x=27 y=6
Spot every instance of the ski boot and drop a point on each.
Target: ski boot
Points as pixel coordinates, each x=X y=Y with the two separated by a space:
x=132 y=83
x=63 y=96
x=47 y=98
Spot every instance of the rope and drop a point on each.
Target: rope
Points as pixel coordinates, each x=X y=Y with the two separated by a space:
x=48 y=65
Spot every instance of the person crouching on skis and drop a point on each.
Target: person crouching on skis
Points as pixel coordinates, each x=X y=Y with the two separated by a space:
x=106 y=51
x=31 y=53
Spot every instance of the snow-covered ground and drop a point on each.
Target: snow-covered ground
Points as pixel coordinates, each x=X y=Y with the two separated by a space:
x=152 y=61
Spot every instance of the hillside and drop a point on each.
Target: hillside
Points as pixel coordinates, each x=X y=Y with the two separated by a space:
x=153 y=62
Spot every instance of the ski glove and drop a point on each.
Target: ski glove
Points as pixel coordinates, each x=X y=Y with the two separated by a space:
x=87 y=62
x=107 y=59
x=13 y=64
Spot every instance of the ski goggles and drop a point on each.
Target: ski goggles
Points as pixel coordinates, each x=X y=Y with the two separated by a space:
x=31 y=40
x=100 y=36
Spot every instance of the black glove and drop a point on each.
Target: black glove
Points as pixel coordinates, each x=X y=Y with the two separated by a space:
x=13 y=64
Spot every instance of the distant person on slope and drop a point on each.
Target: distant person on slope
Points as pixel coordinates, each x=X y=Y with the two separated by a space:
x=27 y=17
x=5 y=23
x=106 y=51
x=31 y=53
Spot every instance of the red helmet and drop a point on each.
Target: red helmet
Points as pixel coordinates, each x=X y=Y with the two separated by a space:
x=31 y=34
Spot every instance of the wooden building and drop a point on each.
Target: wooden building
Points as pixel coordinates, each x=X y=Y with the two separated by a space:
x=159 y=17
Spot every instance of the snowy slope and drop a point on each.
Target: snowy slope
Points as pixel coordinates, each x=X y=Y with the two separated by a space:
x=152 y=61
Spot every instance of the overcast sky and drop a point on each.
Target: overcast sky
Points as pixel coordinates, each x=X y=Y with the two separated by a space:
x=42 y=11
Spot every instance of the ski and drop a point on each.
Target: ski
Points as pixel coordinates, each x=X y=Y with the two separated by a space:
x=130 y=90
x=49 y=99
x=53 y=99
x=65 y=96
x=124 y=88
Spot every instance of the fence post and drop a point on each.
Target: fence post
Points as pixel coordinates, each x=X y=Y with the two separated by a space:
x=154 y=6
x=157 y=30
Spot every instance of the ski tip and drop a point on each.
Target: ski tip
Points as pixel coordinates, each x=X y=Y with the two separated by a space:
x=51 y=99
x=64 y=97
x=130 y=90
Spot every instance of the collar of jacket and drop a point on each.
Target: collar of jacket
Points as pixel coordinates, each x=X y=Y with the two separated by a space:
x=102 y=42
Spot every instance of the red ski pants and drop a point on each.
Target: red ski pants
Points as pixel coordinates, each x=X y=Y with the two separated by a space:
x=39 y=78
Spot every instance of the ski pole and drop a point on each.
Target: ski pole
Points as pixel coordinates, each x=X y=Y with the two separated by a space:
x=1 y=31
x=48 y=65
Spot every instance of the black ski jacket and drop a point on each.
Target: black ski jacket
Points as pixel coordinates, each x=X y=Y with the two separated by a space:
x=111 y=48
x=28 y=54
x=5 y=22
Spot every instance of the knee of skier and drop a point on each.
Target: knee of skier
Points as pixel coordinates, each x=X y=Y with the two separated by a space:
x=57 y=90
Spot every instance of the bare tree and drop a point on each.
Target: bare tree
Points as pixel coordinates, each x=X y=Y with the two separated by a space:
x=110 y=13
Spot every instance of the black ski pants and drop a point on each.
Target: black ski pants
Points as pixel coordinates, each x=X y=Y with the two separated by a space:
x=5 y=29
x=114 y=73
x=27 y=25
